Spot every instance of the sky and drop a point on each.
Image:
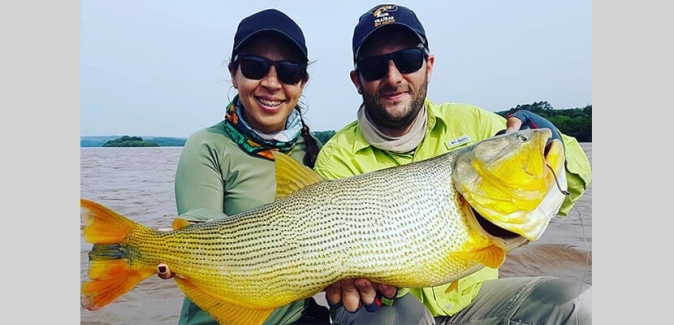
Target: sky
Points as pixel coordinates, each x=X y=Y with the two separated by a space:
x=158 y=68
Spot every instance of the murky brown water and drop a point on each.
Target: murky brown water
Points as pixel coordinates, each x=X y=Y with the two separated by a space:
x=138 y=182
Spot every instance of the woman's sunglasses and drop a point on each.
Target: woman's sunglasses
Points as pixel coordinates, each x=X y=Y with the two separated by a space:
x=256 y=67
x=406 y=61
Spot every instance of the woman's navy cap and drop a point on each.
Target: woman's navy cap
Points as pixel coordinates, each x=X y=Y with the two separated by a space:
x=269 y=20
x=386 y=15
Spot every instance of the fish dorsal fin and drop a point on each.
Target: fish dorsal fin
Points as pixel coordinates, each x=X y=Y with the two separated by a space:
x=491 y=256
x=291 y=175
x=223 y=309
x=179 y=223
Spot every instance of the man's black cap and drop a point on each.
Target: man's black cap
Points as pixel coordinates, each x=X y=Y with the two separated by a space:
x=386 y=15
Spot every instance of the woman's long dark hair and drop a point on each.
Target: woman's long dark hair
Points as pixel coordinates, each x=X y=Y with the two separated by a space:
x=311 y=143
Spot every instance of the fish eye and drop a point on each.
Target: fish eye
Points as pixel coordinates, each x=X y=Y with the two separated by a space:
x=522 y=138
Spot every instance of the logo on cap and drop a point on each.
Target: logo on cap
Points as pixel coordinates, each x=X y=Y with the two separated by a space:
x=382 y=15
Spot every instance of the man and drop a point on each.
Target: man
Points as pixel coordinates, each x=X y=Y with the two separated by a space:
x=397 y=124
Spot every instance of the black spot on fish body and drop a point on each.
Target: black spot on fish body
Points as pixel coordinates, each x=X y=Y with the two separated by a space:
x=106 y=252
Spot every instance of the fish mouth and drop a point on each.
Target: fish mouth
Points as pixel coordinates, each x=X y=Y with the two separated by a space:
x=493 y=229
x=502 y=237
x=514 y=183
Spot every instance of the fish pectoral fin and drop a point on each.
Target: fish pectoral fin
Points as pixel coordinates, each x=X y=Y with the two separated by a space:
x=492 y=256
x=223 y=309
x=452 y=286
x=179 y=223
x=291 y=175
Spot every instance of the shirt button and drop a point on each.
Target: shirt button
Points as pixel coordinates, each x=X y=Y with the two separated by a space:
x=448 y=306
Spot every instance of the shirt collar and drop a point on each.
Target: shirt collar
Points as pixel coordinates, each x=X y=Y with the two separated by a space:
x=433 y=118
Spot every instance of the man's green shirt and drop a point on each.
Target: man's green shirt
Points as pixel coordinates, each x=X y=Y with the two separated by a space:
x=450 y=126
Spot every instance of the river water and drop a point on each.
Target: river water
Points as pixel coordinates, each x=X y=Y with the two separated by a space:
x=138 y=183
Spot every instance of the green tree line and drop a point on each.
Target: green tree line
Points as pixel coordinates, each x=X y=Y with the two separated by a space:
x=127 y=141
x=575 y=122
x=323 y=136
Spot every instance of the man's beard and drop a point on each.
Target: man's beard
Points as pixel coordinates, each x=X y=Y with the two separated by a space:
x=382 y=118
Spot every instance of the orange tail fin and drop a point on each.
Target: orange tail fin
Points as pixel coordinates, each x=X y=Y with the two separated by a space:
x=111 y=270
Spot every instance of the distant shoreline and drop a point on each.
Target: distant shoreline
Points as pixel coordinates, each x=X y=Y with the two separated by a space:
x=99 y=141
x=163 y=142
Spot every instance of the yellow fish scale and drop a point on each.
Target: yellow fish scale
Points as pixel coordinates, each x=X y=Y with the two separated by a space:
x=400 y=230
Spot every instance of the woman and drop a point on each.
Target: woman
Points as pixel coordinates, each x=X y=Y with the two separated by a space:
x=228 y=167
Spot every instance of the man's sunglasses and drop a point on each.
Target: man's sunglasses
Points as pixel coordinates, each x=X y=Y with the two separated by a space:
x=256 y=67
x=406 y=61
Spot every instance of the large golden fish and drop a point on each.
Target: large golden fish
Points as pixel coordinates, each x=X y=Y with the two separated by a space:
x=418 y=225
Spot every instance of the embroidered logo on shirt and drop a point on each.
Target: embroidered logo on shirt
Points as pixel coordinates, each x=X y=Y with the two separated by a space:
x=459 y=141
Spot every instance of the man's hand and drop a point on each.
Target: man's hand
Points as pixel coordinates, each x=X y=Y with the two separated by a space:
x=524 y=119
x=354 y=293
x=513 y=124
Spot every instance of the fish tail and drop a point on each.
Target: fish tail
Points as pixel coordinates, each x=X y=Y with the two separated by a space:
x=103 y=225
x=111 y=268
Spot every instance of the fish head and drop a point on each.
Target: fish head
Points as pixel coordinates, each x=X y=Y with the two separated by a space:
x=515 y=181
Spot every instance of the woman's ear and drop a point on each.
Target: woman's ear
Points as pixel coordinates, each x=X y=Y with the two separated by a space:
x=234 y=84
x=232 y=75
